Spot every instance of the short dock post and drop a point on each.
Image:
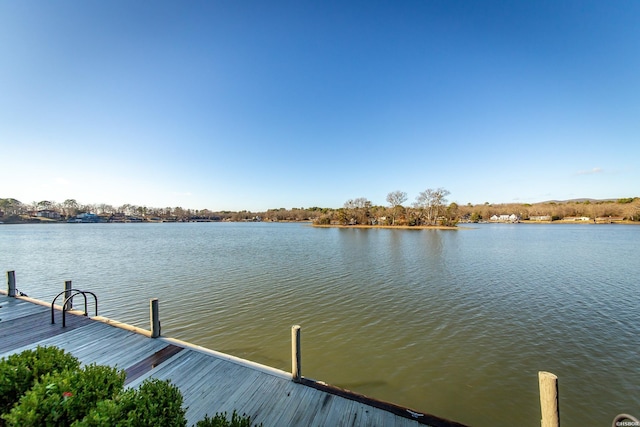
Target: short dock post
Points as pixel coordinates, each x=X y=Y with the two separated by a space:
x=296 y=359
x=67 y=293
x=11 y=283
x=549 y=406
x=155 y=318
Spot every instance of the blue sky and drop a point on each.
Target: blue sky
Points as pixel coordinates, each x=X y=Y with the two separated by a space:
x=232 y=105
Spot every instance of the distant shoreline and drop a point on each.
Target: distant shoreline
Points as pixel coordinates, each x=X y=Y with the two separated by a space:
x=469 y=225
x=565 y=221
x=391 y=227
x=460 y=225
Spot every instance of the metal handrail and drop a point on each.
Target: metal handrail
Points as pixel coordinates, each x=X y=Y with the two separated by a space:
x=68 y=299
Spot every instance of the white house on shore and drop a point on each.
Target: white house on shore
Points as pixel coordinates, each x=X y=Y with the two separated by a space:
x=505 y=218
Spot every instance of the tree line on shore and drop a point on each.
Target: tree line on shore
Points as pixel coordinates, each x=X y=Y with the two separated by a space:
x=12 y=210
x=430 y=207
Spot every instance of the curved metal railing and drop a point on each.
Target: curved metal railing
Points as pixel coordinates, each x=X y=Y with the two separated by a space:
x=72 y=293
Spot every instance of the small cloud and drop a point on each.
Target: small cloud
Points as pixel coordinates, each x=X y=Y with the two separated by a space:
x=590 y=171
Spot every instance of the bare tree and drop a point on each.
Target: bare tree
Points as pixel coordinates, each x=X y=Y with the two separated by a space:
x=103 y=208
x=70 y=207
x=89 y=208
x=632 y=212
x=395 y=200
x=431 y=203
x=357 y=210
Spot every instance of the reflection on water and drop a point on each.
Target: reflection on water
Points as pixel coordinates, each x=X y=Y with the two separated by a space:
x=456 y=323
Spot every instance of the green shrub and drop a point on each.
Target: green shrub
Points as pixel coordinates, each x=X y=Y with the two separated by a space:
x=93 y=384
x=220 y=420
x=47 y=387
x=19 y=372
x=155 y=403
x=110 y=412
x=158 y=403
x=45 y=404
x=60 y=398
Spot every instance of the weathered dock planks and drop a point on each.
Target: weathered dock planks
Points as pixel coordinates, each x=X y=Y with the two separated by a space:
x=209 y=381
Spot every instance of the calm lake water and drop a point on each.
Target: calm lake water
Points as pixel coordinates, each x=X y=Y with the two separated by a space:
x=452 y=322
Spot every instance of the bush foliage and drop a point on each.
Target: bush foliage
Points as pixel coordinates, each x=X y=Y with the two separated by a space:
x=46 y=386
x=60 y=398
x=155 y=403
x=19 y=372
x=220 y=420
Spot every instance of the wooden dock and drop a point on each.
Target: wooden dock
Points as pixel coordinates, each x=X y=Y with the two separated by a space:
x=210 y=381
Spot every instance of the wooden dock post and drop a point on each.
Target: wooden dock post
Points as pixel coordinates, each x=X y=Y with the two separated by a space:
x=296 y=358
x=154 y=318
x=11 y=283
x=67 y=293
x=549 y=401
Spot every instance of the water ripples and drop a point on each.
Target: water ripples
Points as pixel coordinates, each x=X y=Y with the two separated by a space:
x=452 y=322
